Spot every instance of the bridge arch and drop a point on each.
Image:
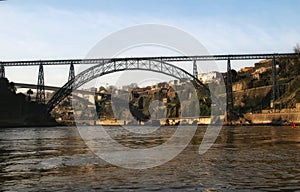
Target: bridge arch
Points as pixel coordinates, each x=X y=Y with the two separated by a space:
x=115 y=65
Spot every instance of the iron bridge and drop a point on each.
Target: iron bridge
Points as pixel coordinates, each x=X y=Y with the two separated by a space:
x=105 y=66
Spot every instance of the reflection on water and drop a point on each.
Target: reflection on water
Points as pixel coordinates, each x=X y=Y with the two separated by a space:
x=243 y=158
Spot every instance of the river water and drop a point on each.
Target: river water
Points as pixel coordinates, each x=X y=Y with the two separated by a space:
x=242 y=159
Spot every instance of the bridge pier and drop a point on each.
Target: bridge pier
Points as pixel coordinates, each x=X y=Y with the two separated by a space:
x=2 y=71
x=40 y=91
x=195 y=70
x=71 y=72
x=275 y=90
x=229 y=95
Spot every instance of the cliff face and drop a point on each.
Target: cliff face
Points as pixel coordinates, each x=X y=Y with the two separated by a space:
x=253 y=87
x=17 y=111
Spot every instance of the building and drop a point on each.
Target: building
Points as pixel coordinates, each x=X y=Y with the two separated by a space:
x=210 y=77
x=246 y=69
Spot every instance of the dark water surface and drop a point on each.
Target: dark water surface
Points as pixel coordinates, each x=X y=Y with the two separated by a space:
x=242 y=159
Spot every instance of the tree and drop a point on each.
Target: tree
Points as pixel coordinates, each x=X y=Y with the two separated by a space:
x=12 y=87
x=297 y=48
x=234 y=75
x=29 y=93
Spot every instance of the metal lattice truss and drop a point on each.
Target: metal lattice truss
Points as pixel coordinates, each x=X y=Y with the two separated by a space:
x=40 y=92
x=71 y=72
x=165 y=59
x=112 y=66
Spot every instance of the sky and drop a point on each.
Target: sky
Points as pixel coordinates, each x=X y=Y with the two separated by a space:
x=65 y=29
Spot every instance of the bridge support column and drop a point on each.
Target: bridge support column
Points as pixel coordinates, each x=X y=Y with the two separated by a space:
x=275 y=90
x=195 y=70
x=229 y=94
x=2 y=71
x=71 y=72
x=40 y=91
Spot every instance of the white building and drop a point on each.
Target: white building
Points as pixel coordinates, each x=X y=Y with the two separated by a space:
x=210 y=77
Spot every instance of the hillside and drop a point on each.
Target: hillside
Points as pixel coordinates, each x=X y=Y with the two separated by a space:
x=253 y=86
x=16 y=110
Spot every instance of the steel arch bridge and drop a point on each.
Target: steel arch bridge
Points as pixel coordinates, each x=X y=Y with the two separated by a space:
x=112 y=66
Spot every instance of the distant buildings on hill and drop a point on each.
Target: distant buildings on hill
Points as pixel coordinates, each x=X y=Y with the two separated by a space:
x=211 y=77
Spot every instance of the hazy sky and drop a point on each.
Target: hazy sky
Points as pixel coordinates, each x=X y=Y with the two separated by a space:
x=58 y=29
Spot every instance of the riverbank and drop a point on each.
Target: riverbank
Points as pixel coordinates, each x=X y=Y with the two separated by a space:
x=23 y=122
x=250 y=119
x=273 y=118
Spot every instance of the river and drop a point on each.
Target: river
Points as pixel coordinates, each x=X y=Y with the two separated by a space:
x=242 y=159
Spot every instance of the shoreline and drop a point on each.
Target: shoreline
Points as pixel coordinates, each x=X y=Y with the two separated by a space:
x=106 y=125
x=270 y=119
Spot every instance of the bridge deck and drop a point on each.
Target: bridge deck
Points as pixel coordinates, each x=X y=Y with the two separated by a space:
x=165 y=59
